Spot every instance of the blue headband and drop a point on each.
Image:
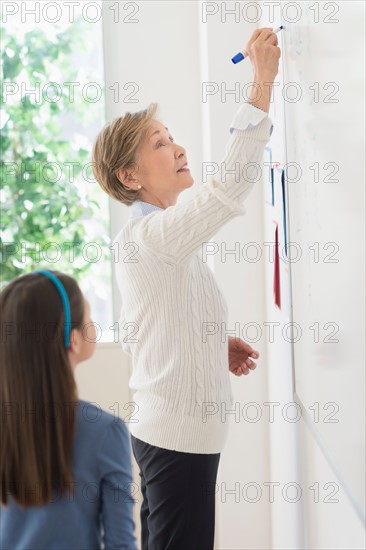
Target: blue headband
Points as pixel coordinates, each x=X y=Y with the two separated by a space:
x=65 y=301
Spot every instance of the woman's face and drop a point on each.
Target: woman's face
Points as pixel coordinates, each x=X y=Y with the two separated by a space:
x=159 y=160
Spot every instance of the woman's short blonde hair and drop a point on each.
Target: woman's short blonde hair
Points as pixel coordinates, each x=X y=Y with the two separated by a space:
x=116 y=147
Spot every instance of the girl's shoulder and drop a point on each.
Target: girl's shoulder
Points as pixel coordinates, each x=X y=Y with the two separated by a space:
x=102 y=438
x=91 y=417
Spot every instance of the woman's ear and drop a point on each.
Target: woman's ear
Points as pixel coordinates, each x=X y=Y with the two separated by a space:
x=122 y=175
x=125 y=176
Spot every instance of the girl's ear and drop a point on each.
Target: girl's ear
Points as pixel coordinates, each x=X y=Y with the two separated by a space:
x=75 y=341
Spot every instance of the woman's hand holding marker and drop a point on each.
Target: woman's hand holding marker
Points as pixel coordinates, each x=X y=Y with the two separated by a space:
x=264 y=54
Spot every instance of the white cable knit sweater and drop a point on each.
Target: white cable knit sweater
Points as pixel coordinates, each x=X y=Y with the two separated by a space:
x=180 y=378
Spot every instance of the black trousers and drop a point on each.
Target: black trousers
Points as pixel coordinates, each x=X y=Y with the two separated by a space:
x=178 y=507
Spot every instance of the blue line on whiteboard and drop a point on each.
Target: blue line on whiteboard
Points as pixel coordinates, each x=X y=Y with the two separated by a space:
x=284 y=207
x=270 y=180
x=272 y=183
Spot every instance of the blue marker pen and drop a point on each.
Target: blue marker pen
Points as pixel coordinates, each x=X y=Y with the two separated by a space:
x=242 y=55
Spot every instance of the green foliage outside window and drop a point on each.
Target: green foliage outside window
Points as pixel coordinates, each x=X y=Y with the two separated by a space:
x=43 y=206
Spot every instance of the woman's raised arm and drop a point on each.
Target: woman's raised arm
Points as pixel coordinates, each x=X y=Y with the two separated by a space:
x=178 y=232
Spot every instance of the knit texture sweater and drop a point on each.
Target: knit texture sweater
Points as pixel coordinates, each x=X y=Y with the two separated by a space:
x=173 y=318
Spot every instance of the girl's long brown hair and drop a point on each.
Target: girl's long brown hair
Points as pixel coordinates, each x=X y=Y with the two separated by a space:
x=38 y=389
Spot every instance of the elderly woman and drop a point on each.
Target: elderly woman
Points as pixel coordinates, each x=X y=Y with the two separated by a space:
x=173 y=311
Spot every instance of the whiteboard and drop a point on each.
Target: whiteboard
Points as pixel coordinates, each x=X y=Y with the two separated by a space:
x=325 y=139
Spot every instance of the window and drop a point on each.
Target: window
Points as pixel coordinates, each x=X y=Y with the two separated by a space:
x=54 y=214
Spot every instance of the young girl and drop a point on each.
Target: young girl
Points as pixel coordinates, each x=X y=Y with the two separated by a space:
x=65 y=463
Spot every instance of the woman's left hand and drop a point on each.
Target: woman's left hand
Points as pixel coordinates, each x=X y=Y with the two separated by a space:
x=239 y=356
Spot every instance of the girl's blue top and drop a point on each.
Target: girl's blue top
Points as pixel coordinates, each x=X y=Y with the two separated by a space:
x=98 y=508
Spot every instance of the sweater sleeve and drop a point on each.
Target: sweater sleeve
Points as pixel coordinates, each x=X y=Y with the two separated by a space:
x=116 y=488
x=178 y=232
